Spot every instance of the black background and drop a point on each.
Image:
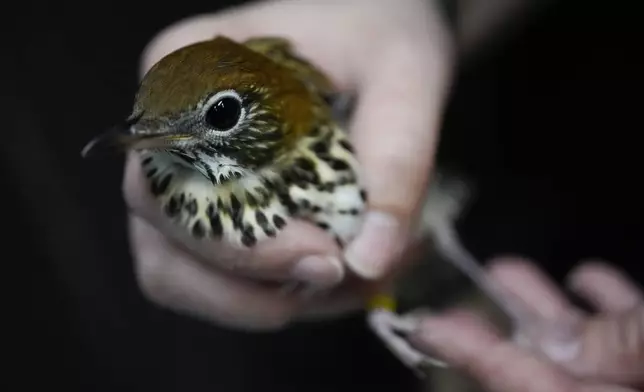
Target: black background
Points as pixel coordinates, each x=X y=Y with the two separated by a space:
x=548 y=125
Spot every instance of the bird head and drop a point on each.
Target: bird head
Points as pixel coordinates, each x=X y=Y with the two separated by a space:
x=220 y=99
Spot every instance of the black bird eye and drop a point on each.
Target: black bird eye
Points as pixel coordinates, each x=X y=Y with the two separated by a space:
x=224 y=114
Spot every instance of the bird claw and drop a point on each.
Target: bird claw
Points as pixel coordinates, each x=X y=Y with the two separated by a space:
x=391 y=328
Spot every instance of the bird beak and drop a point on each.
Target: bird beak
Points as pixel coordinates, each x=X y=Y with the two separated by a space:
x=120 y=138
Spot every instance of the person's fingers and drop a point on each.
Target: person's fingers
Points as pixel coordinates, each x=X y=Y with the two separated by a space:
x=468 y=343
x=395 y=132
x=606 y=348
x=612 y=348
x=301 y=253
x=545 y=321
x=340 y=300
x=536 y=291
x=608 y=289
x=170 y=277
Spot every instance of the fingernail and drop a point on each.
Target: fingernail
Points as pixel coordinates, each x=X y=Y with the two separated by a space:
x=318 y=271
x=561 y=340
x=370 y=254
x=561 y=352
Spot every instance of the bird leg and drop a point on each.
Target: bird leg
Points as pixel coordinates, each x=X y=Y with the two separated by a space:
x=393 y=328
x=447 y=198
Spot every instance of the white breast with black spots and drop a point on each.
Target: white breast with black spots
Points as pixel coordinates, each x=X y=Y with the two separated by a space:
x=242 y=212
x=337 y=202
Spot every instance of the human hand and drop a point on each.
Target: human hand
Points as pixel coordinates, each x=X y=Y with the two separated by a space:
x=396 y=53
x=560 y=348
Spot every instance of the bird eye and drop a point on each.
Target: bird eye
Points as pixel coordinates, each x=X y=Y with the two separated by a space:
x=224 y=113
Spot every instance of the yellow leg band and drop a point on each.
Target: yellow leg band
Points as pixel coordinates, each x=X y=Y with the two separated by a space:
x=382 y=301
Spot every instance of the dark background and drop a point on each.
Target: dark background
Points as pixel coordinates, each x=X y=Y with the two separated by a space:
x=548 y=125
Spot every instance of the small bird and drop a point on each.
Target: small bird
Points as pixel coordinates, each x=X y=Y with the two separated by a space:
x=238 y=138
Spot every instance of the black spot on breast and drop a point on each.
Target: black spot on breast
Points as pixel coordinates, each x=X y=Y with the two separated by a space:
x=338 y=164
x=198 y=230
x=320 y=147
x=346 y=145
x=150 y=173
x=237 y=212
x=146 y=161
x=172 y=208
x=262 y=221
x=363 y=195
x=220 y=205
x=278 y=221
x=315 y=131
x=215 y=221
x=294 y=176
x=304 y=164
x=288 y=202
x=250 y=199
x=211 y=175
x=302 y=172
x=322 y=225
x=248 y=236
x=316 y=208
x=192 y=207
x=235 y=204
x=326 y=187
x=224 y=208
x=159 y=187
x=264 y=192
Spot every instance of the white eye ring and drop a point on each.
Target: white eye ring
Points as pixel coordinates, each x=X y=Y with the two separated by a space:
x=227 y=122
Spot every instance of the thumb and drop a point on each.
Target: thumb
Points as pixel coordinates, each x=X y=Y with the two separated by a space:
x=395 y=133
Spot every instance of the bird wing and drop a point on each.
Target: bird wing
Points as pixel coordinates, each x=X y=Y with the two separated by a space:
x=281 y=51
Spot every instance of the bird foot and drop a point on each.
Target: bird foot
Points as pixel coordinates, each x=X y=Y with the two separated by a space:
x=392 y=329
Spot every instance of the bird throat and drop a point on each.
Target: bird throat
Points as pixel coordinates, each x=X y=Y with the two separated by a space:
x=219 y=169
